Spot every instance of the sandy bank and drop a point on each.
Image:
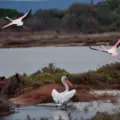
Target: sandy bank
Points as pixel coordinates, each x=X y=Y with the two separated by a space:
x=43 y=95
x=51 y=38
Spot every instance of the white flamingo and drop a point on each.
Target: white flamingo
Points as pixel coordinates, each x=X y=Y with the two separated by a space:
x=63 y=97
x=112 y=51
x=17 y=22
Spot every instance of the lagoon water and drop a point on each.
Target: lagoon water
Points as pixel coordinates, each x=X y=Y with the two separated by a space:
x=73 y=59
x=81 y=111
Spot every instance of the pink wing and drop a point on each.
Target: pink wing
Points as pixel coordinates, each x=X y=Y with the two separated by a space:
x=7 y=25
x=98 y=49
x=22 y=17
x=117 y=44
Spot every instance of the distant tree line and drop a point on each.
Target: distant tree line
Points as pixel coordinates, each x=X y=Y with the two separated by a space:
x=77 y=18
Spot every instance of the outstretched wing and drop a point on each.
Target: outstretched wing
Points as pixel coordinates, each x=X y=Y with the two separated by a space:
x=117 y=44
x=97 y=49
x=7 y=25
x=54 y=95
x=25 y=15
x=68 y=95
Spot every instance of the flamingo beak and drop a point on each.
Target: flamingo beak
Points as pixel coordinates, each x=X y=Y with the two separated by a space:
x=69 y=83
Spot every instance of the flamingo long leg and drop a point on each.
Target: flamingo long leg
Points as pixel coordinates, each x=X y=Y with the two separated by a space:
x=25 y=27
x=98 y=49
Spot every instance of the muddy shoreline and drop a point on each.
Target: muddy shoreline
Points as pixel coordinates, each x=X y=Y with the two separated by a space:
x=6 y=107
x=51 y=38
x=37 y=87
x=43 y=95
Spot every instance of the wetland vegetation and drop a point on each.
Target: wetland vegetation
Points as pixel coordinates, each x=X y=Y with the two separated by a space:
x=70 y=27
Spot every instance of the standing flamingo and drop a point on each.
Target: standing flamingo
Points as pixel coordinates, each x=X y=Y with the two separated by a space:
x=63 y=97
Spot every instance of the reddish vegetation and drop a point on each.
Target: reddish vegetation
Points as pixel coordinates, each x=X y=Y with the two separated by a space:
x=43 y=94
x=5 y=107
x=116 y=87
x=2 y=83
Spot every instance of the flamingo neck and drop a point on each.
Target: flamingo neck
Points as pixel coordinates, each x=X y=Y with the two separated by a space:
x=9 y=19
x=66 y=86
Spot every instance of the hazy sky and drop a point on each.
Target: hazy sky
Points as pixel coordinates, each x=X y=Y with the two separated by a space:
x=26 y=5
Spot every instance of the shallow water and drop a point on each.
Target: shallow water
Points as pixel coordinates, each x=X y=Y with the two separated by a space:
x=73 y=59
x=79 y=110
x=83 y=110
x=109 y=92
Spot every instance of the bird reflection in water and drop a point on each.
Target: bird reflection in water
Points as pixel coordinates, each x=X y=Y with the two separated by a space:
x=62 y=115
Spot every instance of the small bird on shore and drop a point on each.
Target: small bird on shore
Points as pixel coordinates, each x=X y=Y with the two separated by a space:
x=112 y=51
x=63 y=97
x=17 y=22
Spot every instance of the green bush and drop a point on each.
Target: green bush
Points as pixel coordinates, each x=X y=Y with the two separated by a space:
x=76 y=18
x=107 y=74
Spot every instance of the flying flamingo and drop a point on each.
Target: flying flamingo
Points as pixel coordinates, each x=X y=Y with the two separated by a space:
x=18 y=21
x=112 y=51
x=63 y=97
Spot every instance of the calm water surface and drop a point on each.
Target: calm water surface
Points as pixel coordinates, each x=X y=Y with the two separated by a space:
x=84 y=110
x=29 y=60
x=79 y=110
x=73 y=59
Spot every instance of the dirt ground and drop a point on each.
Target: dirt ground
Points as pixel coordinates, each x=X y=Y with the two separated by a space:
x=43 y=95
x=51 y=38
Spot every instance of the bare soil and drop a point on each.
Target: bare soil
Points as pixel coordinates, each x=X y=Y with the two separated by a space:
x=51 y=38
x=43 y=95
